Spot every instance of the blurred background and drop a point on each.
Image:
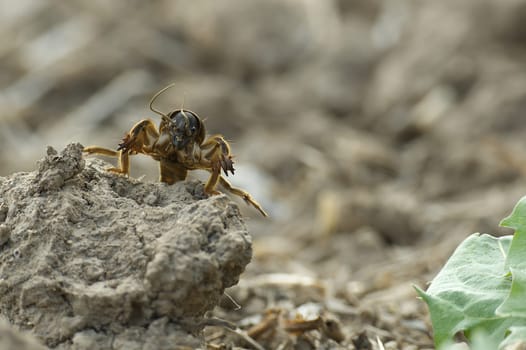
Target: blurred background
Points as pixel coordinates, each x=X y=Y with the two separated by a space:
x=377 y=134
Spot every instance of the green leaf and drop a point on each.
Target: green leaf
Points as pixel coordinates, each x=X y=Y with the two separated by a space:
x=515 y=304
x=482 y=341
x=517 y=221
x=481 y=290
x=468 y=290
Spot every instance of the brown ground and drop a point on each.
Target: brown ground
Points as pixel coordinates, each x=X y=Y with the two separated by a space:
x=377 y=134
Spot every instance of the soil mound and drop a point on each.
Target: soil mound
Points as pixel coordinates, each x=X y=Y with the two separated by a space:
x=90 y=260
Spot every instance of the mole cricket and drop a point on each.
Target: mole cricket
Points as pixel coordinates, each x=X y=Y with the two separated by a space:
x=179 y=144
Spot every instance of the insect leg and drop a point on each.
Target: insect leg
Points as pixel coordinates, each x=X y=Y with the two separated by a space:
x=101 y=150
x=124 y=163
x=243 y=194
x=219 y=154
x=211 y=184
x=140 y=139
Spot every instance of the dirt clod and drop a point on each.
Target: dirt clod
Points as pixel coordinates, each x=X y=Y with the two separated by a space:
x=55 y=169
x=105 y=261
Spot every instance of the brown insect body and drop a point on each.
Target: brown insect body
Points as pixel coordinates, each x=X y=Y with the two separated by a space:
x=179 y=144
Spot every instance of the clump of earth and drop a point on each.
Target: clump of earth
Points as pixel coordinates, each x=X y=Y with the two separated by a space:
x=93 y=260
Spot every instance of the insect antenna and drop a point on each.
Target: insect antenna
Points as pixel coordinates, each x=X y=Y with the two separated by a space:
x=164 y=116
x=186 y=121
